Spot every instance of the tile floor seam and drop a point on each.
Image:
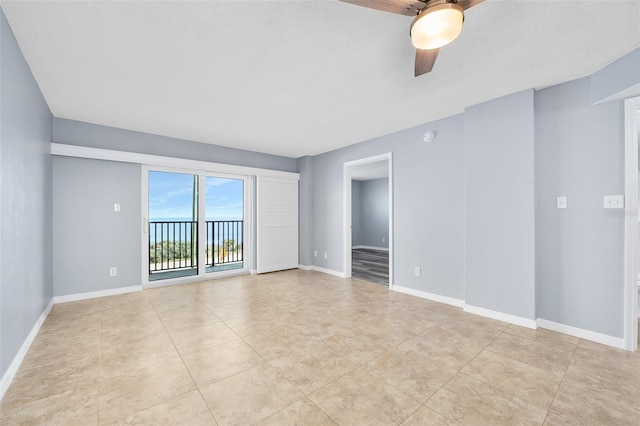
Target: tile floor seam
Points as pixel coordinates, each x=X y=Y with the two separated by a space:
x=186 y=368
x=331 y=382
x=321 y=410
x=345 y=374
x=460 y=372
x=302 y=398
x=99 y=357
x=357 y=296
x=518 y=361
x=264 y=361
x=412 y=413
x=438 y=390
x=436 y=411
x=283 y=408
x=391 y=384
x=573 y=352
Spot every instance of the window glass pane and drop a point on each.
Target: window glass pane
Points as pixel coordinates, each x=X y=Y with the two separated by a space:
x=224 y=224
x=173 y=225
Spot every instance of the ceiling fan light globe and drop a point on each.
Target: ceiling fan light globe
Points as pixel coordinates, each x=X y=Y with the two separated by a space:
x=437 y=26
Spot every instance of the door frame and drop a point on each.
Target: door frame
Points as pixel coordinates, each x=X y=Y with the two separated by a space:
x=247 y=235
x=346 y=190
x=202 y=274
x=631 y=249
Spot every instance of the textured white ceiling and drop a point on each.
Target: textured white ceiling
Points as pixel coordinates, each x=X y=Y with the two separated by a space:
x=299 y=77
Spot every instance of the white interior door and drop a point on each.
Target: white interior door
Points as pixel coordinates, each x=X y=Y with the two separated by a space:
x=277 y=224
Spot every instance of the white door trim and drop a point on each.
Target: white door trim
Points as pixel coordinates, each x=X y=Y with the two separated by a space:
x=202 y=274
x=346 y=191
x=632 y=129
x=247 y=226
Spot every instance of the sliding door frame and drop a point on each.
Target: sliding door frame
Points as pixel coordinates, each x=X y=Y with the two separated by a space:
x=201 y=270
x=247 y=235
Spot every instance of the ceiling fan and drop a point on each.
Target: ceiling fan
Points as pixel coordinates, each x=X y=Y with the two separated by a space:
x=436 y=23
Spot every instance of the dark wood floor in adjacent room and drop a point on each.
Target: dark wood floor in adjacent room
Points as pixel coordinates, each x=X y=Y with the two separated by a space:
x=370 y=265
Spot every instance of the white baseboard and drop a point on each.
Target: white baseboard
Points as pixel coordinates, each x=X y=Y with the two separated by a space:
x=254 y=272
x=170 y=282
x=604 y=339
x=500 y=316
x=10 y=374
x=323 y=270
x=371 y=248
x=96 y=294
x=459 y=303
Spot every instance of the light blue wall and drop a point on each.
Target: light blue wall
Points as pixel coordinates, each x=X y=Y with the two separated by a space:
x=356 y=213
x=305 y=216
x=615 y=77
x=476 y=207
x=580 y=155
x=92 y=135
x=500 y=239
x=370 y=213
x=26 y=285
x=88 y=236
x=428 y=205
x=118 y=241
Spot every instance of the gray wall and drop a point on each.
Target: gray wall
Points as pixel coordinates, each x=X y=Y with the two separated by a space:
x=305 y=216
x=25 y=192
x=76 y=182
x=356 y=213
x=92 y=135
x=428 y=205
x=579 y=154
x=89 y=237
x=476 y=207
x=370 y=213
x=615 y=77
x=500 y=239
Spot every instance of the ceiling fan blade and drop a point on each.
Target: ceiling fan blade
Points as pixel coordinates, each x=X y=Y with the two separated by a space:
x=401 y=7
x=425 y=60
x=466 y=4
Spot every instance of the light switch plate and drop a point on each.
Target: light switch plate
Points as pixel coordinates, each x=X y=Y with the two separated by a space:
x=561 y=203
x=614 y=201
x=116 y=207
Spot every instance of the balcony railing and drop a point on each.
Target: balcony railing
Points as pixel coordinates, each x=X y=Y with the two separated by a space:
x=224 y=242
x=173 y=245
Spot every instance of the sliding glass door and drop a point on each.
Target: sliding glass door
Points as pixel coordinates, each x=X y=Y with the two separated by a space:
x=194 y=224
x=224 y=223
x=173 y=225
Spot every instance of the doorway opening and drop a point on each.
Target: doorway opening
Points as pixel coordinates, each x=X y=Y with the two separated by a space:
x=368 y=219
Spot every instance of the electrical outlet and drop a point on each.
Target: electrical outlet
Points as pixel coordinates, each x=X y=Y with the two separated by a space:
x=315 y=253
x=325 y=254
x=116 y=207
x=113 y=271
x=614 y=201
x=418 y=271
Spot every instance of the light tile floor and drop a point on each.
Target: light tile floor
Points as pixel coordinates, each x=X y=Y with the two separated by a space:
x=302 y=348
